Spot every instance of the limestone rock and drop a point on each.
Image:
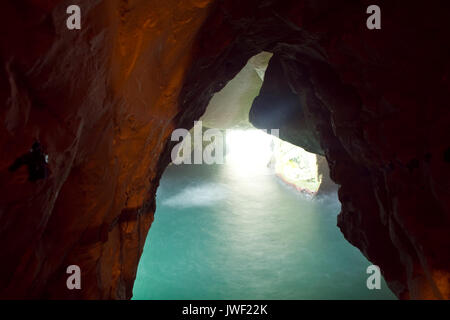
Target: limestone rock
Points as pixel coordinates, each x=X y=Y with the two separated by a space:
x=103 y=101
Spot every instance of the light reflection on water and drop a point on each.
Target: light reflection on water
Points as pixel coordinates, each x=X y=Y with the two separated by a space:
x=220 y=233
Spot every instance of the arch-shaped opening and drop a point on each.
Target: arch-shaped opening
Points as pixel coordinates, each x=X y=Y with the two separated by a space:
x=258 y=226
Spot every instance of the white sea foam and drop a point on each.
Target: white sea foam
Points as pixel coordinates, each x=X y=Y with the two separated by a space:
x=197 y=196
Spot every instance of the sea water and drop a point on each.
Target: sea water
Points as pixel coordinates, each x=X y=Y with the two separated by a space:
x=225 y=232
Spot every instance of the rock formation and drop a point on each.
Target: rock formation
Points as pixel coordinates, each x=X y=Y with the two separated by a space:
x=103 y=101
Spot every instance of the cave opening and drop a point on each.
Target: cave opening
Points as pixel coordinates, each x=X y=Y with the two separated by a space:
x=260 y=226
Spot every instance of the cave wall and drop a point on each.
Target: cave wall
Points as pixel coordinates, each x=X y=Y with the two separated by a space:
x=103 y=102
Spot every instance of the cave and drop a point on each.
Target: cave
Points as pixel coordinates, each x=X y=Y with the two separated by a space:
x=97 y=106
x=258 y=224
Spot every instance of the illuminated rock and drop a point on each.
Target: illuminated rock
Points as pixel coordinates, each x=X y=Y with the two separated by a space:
x=229 y=108
x=104 y=100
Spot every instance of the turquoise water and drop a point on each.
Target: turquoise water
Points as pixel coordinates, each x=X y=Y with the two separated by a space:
x=221 y=232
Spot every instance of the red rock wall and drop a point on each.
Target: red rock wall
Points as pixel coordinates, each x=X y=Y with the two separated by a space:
x=104 y=100
x=101 y=101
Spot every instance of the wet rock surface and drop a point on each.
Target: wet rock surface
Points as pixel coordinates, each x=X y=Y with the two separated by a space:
x=103 y=102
